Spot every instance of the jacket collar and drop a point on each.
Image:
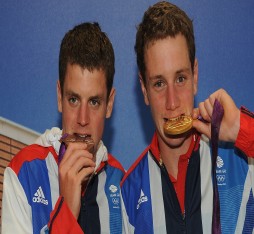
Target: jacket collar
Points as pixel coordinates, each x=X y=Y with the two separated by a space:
x=154 y=146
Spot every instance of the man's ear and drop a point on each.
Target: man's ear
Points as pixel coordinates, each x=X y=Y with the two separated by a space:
x=143 y=87
x=110 y=103
x=195 y=77
x=59 y=97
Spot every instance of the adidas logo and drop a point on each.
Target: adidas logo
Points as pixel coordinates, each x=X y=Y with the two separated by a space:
x=39 y=197
x=141 y=199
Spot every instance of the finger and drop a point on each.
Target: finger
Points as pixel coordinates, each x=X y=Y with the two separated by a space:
x=79 y=146
x=204 y=112
x=75 y=180
x=208 y=105
x=195 y=113
x=80 y=163
x=203 y=128
x=85 y=174
x=77 y=172
x=219 y=95
x=73 y=151
x=74 y=163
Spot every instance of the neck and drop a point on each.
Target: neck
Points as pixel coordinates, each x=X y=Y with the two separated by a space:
x=170 y=154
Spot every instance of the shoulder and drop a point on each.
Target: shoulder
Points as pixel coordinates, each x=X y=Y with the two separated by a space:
x=113 y=162
x=137 y=164
x=28 y=154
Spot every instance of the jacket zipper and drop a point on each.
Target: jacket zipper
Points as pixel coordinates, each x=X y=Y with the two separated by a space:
x=183 y=215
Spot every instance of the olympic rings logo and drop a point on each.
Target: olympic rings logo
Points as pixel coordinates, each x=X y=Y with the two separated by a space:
x=221 y=178
x=115 y=200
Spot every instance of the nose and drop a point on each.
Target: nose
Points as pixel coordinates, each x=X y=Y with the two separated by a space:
x=172 y=99
x=83 y=115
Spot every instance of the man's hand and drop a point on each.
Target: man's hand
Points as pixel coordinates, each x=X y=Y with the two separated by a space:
x=231 y=120
x=75 y=169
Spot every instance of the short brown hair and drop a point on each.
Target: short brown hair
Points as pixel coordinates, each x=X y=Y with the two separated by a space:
x=161 y=20
x=87 y=46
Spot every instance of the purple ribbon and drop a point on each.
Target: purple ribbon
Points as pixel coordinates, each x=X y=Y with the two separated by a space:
x=217 y=116
x=62 y=149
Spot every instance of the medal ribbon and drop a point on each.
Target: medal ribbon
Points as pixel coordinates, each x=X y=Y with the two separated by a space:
x=217 y=116
x=62 y=149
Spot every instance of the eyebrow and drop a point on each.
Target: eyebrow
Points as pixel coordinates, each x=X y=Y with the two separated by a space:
x=155 y=77
x=183 y=70
x=71 y=93
x=96 y=97
x=188 y=70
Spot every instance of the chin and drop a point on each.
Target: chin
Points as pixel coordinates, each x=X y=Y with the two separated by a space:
x=175 y=143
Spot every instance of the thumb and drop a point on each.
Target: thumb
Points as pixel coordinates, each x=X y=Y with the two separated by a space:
x=203 y=128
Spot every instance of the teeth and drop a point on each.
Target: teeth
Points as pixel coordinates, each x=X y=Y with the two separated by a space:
x=83 y=136
x=174 y=118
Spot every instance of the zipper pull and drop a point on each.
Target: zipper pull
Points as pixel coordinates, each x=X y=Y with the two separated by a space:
x=183 y=215
x=161 y=162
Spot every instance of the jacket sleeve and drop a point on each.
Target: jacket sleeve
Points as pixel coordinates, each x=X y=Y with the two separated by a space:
x=62 y=220
x=245 y=138
x=16 y=212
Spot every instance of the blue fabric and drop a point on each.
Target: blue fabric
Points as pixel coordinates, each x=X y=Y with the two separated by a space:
x=233 y=179
x=112 y=190
x=231 y=174
x=139 y=181
x=32 y=176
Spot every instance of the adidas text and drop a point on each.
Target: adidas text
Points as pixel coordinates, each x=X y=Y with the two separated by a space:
x=40 y=200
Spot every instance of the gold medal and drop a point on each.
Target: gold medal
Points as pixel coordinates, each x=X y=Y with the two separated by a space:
x=178 y=125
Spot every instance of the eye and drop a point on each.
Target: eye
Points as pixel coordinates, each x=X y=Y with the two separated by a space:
x=73 y=100
x=95 y=102
x=180 y=80
x=158 y=83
